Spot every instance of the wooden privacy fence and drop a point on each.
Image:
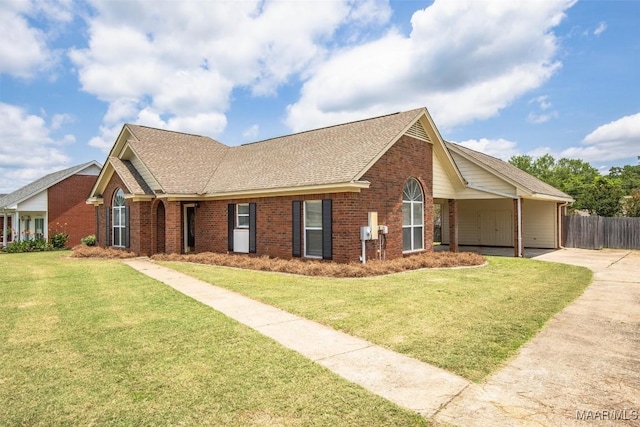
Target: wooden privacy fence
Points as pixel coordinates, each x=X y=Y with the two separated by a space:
x=596 y=232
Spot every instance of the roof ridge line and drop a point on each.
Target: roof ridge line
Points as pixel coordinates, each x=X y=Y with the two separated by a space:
x=325 y=127
x=173 y=131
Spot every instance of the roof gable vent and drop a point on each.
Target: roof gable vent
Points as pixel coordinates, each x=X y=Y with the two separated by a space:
x=417 y=131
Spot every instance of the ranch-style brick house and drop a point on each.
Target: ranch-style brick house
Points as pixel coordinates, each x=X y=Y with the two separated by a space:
x=308 y=194
x=51 y=204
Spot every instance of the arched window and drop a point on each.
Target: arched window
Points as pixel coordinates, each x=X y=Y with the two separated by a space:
x=412 y=216
x=119 y=219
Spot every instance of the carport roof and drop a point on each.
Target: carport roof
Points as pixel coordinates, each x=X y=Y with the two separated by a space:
x=510 y=173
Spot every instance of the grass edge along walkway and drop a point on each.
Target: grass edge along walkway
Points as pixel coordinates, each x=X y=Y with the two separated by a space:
x=467 y=321
x=93 y=342
x=407 y=382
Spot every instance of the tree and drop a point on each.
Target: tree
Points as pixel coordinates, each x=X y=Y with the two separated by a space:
x=629 y=177
x=631 y=205
x=603 y=197
x=573 y=176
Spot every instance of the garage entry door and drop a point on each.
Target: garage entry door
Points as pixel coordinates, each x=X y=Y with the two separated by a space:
x=495 y=228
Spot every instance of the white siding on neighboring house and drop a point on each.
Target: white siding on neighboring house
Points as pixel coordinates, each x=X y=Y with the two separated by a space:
x=144 y=173
x=539 y=224
x=92 y=170
x=37 y=202
x=442 y=187
x=479 y=177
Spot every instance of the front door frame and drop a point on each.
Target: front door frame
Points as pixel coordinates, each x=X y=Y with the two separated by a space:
x=188 y=226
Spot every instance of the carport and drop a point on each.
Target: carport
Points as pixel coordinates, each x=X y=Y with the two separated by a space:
x=499 y=205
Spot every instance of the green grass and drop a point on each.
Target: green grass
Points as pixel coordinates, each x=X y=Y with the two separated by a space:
x=468 y=321
x=93 y=342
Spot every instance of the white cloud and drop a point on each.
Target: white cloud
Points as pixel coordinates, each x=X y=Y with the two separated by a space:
x=28 y=149
x=251 y=132
x=616 y=140
x=500 y=148
x=600 y=29
x=464 y=60
x=23 y=49
x=544 y=105
x=541 y=118
x=177 y=63
x=542 y=101
x=59 y=120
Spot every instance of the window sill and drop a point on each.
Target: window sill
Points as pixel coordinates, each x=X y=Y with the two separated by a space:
x=414 y=251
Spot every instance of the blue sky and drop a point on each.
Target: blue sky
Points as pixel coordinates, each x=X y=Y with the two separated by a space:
x=502 y=77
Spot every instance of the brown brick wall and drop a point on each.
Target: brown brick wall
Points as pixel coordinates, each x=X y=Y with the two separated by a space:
x=67 y=209
x=408 y=158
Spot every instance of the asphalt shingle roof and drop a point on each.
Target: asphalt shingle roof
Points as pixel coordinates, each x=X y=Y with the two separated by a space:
x=130 y=176
x=191 y=164
x=331 y=155
x=39 y=185
x=507 y=170
x=181 y=163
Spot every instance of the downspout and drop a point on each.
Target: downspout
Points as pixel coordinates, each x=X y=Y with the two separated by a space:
x=519 y=199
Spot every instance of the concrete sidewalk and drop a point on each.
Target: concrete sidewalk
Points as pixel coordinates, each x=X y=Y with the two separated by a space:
x=405 y=381
x=584 y=365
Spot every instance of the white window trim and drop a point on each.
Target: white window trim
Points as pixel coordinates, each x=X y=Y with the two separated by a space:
x=413 y=225
x=238 y=215
x=121 y=228
x=310 y=228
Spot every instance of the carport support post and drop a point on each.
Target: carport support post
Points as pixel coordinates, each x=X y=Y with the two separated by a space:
x=453 y=225
x=518 y=244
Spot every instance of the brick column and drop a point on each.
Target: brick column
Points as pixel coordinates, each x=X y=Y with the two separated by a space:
x=453 y=225
x=173 y=229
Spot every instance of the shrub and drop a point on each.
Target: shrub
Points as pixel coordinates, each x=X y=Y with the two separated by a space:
x=29 y=246
x=59 y=240
x=90 y=240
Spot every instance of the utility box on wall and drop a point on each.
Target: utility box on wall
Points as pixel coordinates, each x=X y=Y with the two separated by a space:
x=365 y=233
x=373 y=224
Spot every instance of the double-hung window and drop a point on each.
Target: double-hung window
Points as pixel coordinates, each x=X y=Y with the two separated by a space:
x=242 y=215
x=313 y=228
x=412 y=216
x=119 y=219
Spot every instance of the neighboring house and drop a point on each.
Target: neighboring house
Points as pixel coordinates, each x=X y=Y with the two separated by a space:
x=308 y=194
x=54 y=203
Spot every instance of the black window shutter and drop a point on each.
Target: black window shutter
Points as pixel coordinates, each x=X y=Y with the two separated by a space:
x=252 y=228
x=231 y=217
x=327 y=232
x=296 y=221
x=107 y=221
x=127 y=228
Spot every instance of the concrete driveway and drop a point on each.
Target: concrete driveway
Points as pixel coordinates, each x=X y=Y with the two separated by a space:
x=582 y=369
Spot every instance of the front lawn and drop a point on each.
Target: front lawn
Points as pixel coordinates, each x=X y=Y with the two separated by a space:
x=93 y=342
x=468 y=321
